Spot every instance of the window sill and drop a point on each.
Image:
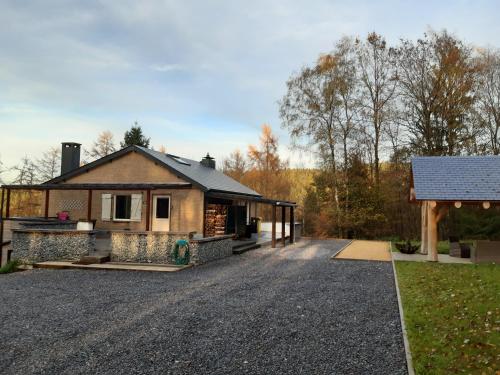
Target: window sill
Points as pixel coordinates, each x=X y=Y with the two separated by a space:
x=127 y=220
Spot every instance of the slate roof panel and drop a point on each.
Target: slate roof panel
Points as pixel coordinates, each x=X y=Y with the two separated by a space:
x=456 y=178
x=210 y=178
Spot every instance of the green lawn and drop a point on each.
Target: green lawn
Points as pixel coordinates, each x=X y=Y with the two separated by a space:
x=452 y=315
x=443 y=246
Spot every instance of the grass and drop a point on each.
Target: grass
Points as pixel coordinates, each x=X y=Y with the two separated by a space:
x=11 y=266
x=443 y=246
x=452 y=315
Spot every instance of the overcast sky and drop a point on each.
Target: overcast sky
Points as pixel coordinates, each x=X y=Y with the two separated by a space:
x=197 y=75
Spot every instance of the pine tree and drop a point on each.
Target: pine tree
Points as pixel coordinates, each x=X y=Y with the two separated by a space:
x=135 y=136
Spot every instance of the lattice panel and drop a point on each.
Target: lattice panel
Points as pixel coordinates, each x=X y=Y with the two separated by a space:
x=71 y=204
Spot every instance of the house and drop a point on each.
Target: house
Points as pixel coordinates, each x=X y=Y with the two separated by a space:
x=141 y=190
x=439 y=183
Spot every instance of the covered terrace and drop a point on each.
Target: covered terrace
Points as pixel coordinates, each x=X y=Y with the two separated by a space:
x=443 y=182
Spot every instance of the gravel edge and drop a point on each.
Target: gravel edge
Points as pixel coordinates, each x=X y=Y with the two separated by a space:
x=341 y=249
x=409 y=361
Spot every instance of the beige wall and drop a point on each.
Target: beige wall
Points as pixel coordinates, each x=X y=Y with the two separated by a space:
x=130 y=168
x=186 y=204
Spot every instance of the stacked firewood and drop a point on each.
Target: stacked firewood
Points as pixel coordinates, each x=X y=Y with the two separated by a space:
x=215 y=220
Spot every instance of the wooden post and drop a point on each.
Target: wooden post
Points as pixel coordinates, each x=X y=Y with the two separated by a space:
x=1 y=226
x=283 y=223
x=204 y=215
x=47 y=197
x=425 y=230
x=292 y=226
x=148 y=209
x=89 y=205
x=273 y=226
x=7 y=204
x=435 y=214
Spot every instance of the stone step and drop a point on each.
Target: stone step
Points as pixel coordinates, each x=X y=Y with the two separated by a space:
x=93 y=259
x=243 y=243
x=242 y=249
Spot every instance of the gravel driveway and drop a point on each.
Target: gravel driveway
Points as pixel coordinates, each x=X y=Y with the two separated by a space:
x=291 y=311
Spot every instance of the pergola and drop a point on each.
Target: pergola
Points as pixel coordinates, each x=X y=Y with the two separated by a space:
x=440 y=182
x=89 y=188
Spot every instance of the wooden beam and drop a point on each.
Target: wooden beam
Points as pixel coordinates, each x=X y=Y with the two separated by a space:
x=7 y=205
x=103 y=186
x=283 y=223
x=292 y=226
x=89 y=205
x=148 y=209
x=273 y=227
x=47 y=197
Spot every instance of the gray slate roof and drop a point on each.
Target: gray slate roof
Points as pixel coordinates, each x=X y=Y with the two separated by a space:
x=209 y=178
x=456 y=178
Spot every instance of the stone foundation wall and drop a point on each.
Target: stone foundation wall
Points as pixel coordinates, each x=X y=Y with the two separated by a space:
x=144 y=247
x=207 y=249
x=39 y=245
x=157 y=247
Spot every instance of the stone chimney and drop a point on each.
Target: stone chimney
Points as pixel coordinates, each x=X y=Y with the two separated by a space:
x=208 y=161
x=70 y=156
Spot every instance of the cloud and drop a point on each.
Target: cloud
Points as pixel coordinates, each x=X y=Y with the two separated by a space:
x=163 y=68
x=190 y=72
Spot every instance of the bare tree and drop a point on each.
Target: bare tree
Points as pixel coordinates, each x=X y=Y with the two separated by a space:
x=49 y=165
x=235 y=165
x=26 y=172
x=103 y=146
x=378 y=81
x=2 y=171
x=436 y=78
x=488 y=94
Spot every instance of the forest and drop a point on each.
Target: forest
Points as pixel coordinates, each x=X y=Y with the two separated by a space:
x=362 y=110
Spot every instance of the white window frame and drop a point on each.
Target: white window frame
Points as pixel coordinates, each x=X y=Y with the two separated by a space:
x=114 y=207
x=153 y=213
x=131 y=208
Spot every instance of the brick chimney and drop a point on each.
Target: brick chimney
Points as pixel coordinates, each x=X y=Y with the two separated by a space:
x=70 y=156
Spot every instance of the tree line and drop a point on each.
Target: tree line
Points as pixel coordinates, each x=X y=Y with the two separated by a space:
x=366 y=107
x=31 y=170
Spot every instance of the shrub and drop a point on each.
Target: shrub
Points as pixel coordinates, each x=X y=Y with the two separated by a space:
x=11 y=266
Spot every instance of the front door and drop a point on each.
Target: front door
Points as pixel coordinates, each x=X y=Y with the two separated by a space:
x=161 y=213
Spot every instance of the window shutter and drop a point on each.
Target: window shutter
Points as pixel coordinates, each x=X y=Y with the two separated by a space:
x=136 y=207
x=106 y=207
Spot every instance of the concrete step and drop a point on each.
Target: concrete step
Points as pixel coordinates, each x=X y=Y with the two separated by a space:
x=242 y=249
x=93 y=259
x=243 y=243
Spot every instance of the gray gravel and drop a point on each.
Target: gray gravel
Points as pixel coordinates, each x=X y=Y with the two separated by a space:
x=290 y=311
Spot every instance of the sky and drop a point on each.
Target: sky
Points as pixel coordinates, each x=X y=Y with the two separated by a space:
x=198 y=76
